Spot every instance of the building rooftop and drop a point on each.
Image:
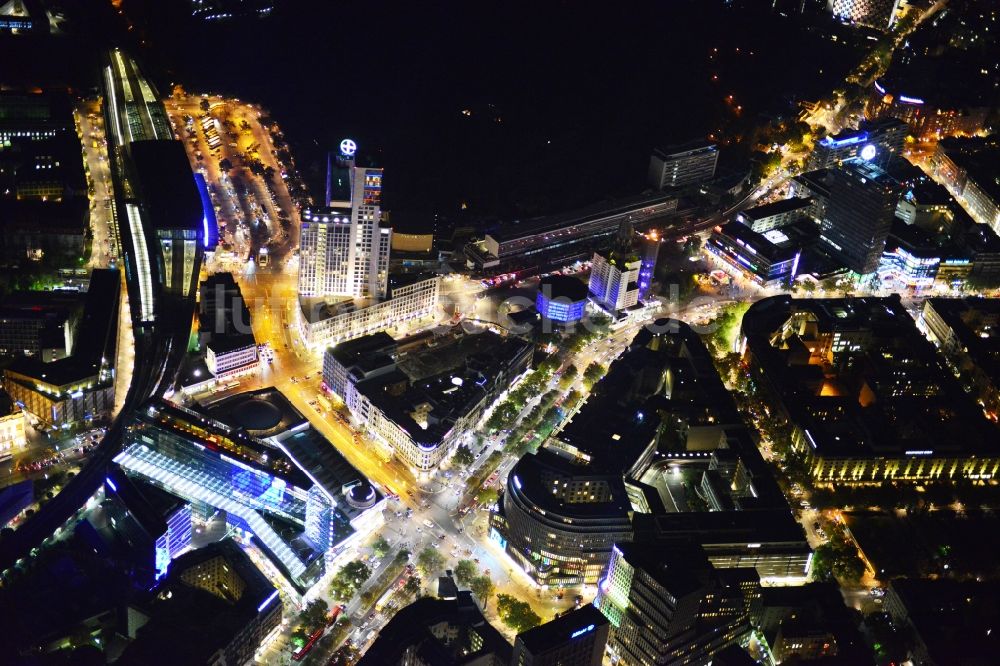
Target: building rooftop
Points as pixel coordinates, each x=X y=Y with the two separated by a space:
x=321 y=460
x=562 y=629
x=415 y=628
x=512 y=231
x=149 y=505
x=681 y=148
x=69 y=216
x=776 y=208
x=917 y=240
x=14 y=499
x=166 y=185
x=775 y=246
x=563 y=286
x=260 y=413
x=96 y=338
x=976 y=323
x=680 y=566
x=881 y=389
x=816 y=181
x=208 y=618
x=532 y=477
x=929 y=193
x=979 y=157
x=202 y=429
x=400 y=280
x=720 y=528
x=953 y=619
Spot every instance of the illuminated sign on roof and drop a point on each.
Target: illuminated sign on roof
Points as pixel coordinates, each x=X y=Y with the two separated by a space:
x=830 y=142
x=581 y=632
x=348 y=147
x=868 y=152
x=910 y=100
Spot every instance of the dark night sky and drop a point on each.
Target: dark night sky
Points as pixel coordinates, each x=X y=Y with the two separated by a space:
x=583 y=91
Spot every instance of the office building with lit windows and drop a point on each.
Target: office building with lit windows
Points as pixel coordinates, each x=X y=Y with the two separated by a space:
x=558 y=520
x=44 y=212
x=12 y=423
x=928 y=206
x=614 y=279
x=815 y=186
x=34 y=116
x=621 y=277
x=966 y=330
x=421 y=407
x=767 y=258
x=324 y=322
x=868 y=398
x=660 y=418
x=859 y=215
x=774 y=215
x=683 y=164
x=968 y=168
x=224 y=327
x=667 y=604
x=875 y=141
x=79 y=388
x=344 y=250
x=39 y=323
x=916 y=258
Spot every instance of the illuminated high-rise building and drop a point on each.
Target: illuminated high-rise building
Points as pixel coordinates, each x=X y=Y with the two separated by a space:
x=685 y=164
x=622 y=276
x=343 y=249
x=859 y=215
x=649 y=249
x=668 y=605
x=614 y=279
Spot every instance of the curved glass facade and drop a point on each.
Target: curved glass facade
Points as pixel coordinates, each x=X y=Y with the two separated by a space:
x=552 y=529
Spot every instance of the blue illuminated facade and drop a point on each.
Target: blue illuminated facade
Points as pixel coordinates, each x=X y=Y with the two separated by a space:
x=156 y=526
x=561 y=299
x=209 y=221
x=650 y=248
x=186 y=457
x=558 y=309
